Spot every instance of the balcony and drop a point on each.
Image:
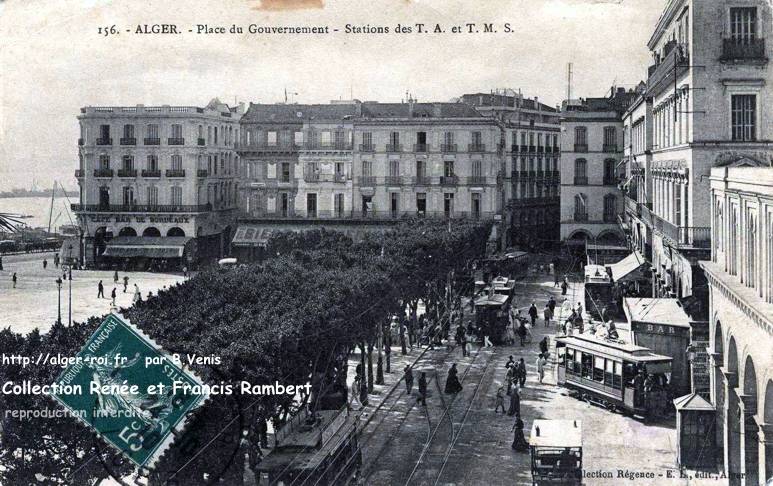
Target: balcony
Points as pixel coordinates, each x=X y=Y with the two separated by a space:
x=393 y=180
x=632 y=206
x=540 y=149
x=683 y=236
x=175 y=141
x=366 y=181
x=104 y=141
x=610 y=149
x=581 y=217
x=478 y=180
x=422 y=180
x=103 y=172
x=421 y=147
x=151 y=173
x=581 y=147
x=340 y=178
x=200 y=141
x=175 y=172
x=548 y=150
x=476 y=147
x=311 y=177
x=580 y=180
x=532 y=174
x=394 y=147
x=449 y=180
x=369 y=147
x=141 y=208
x=448 y=147
x=202 y=173
x=661 y=76
x=556 y=149
x=335 y=145
x=127 y=172
x=78 y=173
x=152 y=141
x=739 y=51
x=514 y=148
x=129 y=141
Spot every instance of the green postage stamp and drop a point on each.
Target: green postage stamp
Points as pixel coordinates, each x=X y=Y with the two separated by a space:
x=127 y=391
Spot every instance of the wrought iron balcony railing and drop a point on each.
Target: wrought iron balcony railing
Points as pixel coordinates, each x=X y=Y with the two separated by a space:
x=127 y=172
x=421 y=147
x=103 y=172
x=104 y=141
x=202 y=173
x=739 y=50
x=581 y=147
x=367 y=147
x=175 y=172
x=151 y=173
x=422 y=180
x=152 y=141
x=476 y=180
x=366 y=181
x=394 y=147
x=393 y=180
x=608 y=148
x=449 y=180
x=200 y=141
x=175 y=141
x=129 y=141
x=142 y=208
x=448 y=147
x=476 y=147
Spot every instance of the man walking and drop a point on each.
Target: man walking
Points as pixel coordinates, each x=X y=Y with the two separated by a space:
x=408 y=373
x=533 y=314
x=422 y=389
x=461 y=339
x=125 y=283
x=547 y=314
x=564 y=286
x=541 y=367
x=115 y=277
x=112 y=296
x=137 y=294
x=14 y=279
x=100 y=290
x=45 y=263
x=500 y=401
x=521 y=373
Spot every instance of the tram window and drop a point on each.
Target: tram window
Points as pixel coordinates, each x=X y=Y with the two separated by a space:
x=598 y=370
x=578 y=363
x=617 y=378
x=569 y=361
x=587 y=366
x=629 y=373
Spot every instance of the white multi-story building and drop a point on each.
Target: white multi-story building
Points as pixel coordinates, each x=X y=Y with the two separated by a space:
x=157 y=172
x=740 y=277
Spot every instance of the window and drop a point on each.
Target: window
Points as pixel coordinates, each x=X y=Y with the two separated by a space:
x=421 y=171
x=475 y=205
x=394 y=139
x=270 y=138
x=477 y=168
x=128 y=162
x=128 y=196
x=152 y=131
x=325 y=138
x=104 y=132
x=177 y=162
x=176 y=195
x=177 y=131
x=152 y=162
x=421 y=203
x=448 y=138
x=128 y=131
x=476 y=139
x=448 y=204
x=152 y=192
x=216 y=136
x=580 y=172
x=104 y=162
x=298 y=138
x=394 y=168
x=743 y=24
x=285 y=172
x=367 y=168
x=367 y=140
x=610 y=208
x=580 y=208
x=610 y=139
x=744 y=117
x=448 y=168
x=609 y=171
x=580 y=139
x=338 y=205
x=394 y=204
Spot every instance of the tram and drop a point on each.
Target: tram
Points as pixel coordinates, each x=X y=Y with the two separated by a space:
x=556 y=452
x=321 y=450
x=617 y=375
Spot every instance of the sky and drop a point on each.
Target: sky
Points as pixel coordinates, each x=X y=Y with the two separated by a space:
x=53 y=61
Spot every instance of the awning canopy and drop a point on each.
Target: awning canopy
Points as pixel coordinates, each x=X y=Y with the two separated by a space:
x=668 y=312
x=629 y=268
x=556 y=433
x=147 y=247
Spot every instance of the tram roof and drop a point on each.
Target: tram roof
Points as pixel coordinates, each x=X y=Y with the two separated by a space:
x=626 y=351
x=556 y=433
x=667 y=312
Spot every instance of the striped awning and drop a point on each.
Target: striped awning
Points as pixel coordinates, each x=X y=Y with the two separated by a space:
x=147 y=247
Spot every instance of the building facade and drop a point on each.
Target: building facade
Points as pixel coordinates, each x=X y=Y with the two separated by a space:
x=740 y=277
x=591 y=151
x=157 y=172
x=531 y=182
x=708 y=94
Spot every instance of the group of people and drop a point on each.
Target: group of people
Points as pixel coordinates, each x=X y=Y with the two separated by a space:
x=101 y=290
x=515 y=379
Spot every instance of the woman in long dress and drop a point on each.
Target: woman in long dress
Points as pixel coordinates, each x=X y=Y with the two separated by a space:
x=515 y=403
x=519 y=441
x=452 y=382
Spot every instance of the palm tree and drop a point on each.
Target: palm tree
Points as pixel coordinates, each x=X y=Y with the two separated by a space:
x=9 y=222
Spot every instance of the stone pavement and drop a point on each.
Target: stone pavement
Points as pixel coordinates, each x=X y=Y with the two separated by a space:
x=33 y=303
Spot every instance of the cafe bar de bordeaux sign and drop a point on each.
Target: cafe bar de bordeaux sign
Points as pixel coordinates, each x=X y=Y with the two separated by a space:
x=139 y=218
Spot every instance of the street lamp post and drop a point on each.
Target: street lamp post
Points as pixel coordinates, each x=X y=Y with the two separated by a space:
x=59 y=300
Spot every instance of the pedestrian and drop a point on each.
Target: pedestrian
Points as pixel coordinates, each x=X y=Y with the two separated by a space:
x=263 y=432
x=355 y=392
x=112 y=296
x=125 y=283
x=453 y=385
x=521 y=373
x=137 y=294
x=500 y=400
x=510 y=362
x=487 y=342
x=403 y=330
x=408 y=374
x=547 y=314
x=45 y=263
x=541 y=361
x=100 y=290
x=533 y=313
x=14 y=279
x=552 y=305
x=543 y=346
x=515 y=403
x=150 y=294
x=461 y=338
x=579 y=309
x=522 y=331
x=422 y=389
x=115 y=277
x=519 y=441
x=556 y=279
x=509 y=377
x=185 y=271
x=564 y=286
